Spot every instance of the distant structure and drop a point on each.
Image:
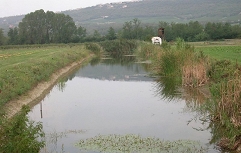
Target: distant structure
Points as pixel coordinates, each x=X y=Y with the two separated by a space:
x=159 y=38
x=161 y=33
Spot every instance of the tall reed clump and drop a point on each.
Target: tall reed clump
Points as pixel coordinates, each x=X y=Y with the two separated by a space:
x=174 y=58
x=146 y=51
x=195 y=70
x=227 y=110
x=19 y=134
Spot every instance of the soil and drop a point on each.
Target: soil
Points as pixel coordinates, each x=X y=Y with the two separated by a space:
x=35 y=95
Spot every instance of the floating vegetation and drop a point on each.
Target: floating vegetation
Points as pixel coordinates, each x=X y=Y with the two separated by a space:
x=135 y=143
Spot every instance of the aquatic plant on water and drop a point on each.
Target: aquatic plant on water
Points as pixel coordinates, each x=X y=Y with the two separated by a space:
x=135 y=143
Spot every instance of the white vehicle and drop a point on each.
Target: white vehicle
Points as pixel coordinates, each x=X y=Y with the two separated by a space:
x=156 y=40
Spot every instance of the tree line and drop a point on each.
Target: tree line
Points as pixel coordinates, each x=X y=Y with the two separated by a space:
x=41 y=27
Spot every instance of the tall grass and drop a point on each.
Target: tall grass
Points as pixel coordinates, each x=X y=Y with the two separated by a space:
x=227 y=110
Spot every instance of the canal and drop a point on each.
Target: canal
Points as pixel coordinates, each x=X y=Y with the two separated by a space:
x=109 y=100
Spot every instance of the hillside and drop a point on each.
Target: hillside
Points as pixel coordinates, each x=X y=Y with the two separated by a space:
x=149 y=11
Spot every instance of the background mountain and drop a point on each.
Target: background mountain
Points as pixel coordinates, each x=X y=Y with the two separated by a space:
x=101 y=17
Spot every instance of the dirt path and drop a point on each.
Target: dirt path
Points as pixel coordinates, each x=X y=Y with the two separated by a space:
x=38 y=93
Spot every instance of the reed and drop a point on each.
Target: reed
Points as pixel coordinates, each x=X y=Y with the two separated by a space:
x=194 y=74
x=229 y=100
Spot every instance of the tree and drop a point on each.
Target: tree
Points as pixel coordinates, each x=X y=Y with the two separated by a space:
x=132 y=30
x=127 y=30
x=63 y=28
x=13 y=36
x=137 y=29
x=39 y=27
x=96 y=36
x=148 y=33
x=2 y=37
x=194 y=28
x=32 y=29
x=111 y=34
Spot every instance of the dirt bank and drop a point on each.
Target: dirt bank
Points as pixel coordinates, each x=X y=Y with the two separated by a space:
x=38 y=93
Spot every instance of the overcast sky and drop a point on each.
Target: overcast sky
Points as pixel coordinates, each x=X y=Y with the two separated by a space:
x=19 y=7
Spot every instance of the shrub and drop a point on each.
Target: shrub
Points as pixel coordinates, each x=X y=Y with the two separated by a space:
x=19 y=134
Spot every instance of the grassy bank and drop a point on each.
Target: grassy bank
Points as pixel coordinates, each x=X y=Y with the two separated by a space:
x=21 y=69
x=213 y=63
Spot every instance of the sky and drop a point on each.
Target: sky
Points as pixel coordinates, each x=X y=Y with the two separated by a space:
x=20 y=7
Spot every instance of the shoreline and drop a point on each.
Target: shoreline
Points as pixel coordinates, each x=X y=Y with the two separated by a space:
x=35 y=95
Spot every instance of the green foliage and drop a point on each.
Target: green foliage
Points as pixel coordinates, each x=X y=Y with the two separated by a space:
x=119 y=46
x=170 y=64
x=19 y=134
x=39 y=27
x=221 y=70
x=13 y=36
x=94 y=47
x=80 y=35
x=111 y=34
x=221 y=31
x=132 y=30
x=2 y=38
x=166 y=46
x=147 y=50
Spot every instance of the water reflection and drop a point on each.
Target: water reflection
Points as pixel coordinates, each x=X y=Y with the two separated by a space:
x=168 y=87
x=116 y=97
x=115 y=69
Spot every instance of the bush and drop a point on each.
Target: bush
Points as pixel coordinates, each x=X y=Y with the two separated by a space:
x=19 y=134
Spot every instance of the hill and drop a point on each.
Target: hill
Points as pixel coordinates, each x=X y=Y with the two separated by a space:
x=149 y=11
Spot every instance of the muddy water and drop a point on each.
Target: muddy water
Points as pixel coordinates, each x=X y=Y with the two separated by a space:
x=116 y=98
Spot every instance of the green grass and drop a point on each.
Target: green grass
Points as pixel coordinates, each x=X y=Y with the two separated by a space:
x=232 y=53
x=22 y=69
x=228 y=49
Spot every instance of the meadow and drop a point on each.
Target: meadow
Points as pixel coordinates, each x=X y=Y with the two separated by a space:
x=221 y=50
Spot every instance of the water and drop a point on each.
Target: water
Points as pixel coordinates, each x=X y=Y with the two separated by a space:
x=109 y=98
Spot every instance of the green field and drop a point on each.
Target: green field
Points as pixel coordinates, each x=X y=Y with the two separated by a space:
x=22 y=69
x=221 y=50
